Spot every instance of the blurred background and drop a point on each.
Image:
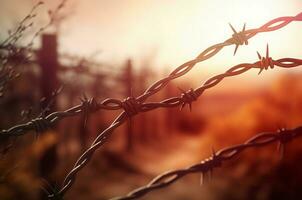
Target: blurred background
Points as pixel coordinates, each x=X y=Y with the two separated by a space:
x=115 y=49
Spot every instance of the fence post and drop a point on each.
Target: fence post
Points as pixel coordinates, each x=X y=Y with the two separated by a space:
x=48 y=61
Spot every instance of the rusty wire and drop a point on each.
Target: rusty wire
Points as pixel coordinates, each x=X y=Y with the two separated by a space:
x=132 y=107
x=282 y=136
x=237 y=39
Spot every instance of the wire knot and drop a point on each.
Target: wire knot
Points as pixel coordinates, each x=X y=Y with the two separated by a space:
x=131 y=106
x=215 y=160
x=187 y=97
x=40 y=124
x=239 y=38
x=212 y=162
x=265 y=62
x=285 y=135
x=209 y=164
x=90 y=104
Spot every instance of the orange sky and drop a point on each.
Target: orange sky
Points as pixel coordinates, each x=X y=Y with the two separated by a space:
x=170 y=32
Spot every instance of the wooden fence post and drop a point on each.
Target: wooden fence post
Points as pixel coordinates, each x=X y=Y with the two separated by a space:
x=48 y=61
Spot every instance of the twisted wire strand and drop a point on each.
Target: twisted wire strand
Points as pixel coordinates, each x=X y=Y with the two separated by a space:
x=238 y=38
x=185 y=98
x=282 y=136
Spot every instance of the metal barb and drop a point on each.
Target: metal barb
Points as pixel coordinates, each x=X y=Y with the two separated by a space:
x=85 y=104
x=259 y=56
x=234 y=30
x=40 y=124
x=239 y=38
x=285 y=136
x=201 y=179
x=187 y=97
x=281 y=149
x=265 y=62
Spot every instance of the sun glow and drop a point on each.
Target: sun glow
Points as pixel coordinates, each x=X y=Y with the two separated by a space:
x=207 y=24
x=173 y=32
x=179 y=31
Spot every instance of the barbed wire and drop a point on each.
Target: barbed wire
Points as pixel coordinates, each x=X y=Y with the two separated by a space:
x=238 y=38
x=282 y=136
x=132 y=107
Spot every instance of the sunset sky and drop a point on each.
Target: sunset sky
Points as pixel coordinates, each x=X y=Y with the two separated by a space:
x=165 y=31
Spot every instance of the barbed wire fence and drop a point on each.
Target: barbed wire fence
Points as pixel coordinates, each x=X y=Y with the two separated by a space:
x=134 y=105
x=238 y=38
x=283 y=136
